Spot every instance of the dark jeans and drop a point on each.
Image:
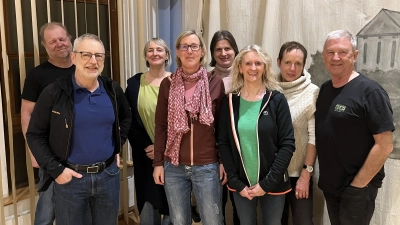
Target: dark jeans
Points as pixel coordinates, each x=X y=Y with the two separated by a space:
x=225 y=192
x=99 y=190
x=354 y=206
x=271 y=209
x=302 y=209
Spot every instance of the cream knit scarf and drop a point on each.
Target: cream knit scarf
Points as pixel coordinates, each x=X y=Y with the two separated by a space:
x=301 y=95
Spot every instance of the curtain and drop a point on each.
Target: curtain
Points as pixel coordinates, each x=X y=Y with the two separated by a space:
x=271 y=23
x=170 y=25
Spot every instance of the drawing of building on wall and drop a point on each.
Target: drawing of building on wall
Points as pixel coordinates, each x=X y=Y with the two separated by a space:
x=378 y=43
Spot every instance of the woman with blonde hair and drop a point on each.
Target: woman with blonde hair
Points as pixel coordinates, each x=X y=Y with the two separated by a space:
x=185 y=151
x=256 y=139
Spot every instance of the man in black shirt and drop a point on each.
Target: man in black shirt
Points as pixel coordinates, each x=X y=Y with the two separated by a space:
x=353 y=129
x=57 y=42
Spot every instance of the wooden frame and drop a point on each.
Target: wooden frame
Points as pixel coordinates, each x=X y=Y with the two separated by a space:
x=103 y=2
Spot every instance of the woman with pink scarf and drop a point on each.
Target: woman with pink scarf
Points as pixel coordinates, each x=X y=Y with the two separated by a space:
x=185 y=151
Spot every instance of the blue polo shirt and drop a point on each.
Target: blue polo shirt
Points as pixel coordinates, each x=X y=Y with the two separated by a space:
x=92 y=128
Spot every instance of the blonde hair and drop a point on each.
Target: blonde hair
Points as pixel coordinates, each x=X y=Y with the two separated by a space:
x=269 y=77
x=49 y=26
x=184 y=34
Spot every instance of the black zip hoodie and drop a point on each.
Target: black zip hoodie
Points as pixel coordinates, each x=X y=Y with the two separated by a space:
x=50 y=127
x=275 y=144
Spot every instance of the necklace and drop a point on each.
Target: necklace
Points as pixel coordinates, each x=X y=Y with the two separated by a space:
x=253 y=97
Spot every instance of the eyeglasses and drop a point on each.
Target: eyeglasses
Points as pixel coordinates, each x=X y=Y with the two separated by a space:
x=87 y=56
x=194 y=47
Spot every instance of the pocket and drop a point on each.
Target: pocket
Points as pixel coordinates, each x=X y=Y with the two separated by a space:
x=353 y=199
x=214 y=167
x=112 y=170
x=65 y=184
x=356 y=205
x=166 y=165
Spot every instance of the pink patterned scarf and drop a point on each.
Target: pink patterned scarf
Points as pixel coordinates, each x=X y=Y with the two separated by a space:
x=198 y=106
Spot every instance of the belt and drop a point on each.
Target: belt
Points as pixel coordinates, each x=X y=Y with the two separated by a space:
x=94 y=168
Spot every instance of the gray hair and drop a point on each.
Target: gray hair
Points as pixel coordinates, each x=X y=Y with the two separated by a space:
x=79 y=39
x=161 y=43
x=337 y=34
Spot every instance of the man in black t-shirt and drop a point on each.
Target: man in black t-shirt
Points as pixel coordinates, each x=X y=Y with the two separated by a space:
x=57 y=42
x=353 y=129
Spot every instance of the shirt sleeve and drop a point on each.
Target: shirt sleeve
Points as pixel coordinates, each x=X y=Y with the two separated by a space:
x=379 y=113
x=311 y=130
x=31 y=88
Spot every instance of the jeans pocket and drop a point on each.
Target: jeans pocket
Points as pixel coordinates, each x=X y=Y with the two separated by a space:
x=64 y=184
x=166 y=165
x=353 y=199
x=214 y=167
x=351 y=192
x=112 y=170
x=357 y=205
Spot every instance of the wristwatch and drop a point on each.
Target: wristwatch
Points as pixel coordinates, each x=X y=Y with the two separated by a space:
x=308 y=168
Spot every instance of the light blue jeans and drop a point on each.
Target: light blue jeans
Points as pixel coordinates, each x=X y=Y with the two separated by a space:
x=207 y=189
x=44 y=214
x=99 y=190
x=271 y=209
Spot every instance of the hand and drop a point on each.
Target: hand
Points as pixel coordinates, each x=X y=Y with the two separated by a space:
x=150 y=151
x=67 y=175
x=256 y=190
x=303 y=185
x=117 y=158
x=33 y=161
x=222 y=175
x=158 y=175
x=245 y=193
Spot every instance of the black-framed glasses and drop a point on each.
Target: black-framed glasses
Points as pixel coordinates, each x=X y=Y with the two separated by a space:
x=194 y=47
x=88 y=56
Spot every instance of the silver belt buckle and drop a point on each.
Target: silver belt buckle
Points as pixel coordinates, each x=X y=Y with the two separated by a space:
x=92 y=169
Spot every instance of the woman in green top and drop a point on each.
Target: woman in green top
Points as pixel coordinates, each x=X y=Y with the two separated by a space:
x=141 y=93
x=256 y=139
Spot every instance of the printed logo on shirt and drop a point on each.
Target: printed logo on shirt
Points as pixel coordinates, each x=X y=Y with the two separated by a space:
x=265 y=113
x=340 y=108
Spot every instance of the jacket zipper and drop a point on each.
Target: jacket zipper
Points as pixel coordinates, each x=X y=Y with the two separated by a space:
x=258 y=142
x=116 y=119
x=70 y=128
x=235 y=137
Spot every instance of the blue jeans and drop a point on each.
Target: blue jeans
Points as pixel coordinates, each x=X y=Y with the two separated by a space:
x=44 y=214
x=206 y=186
x=302 y=209
x=98 y=190
x=151 y=216
x=354 y=206
x=271 y=209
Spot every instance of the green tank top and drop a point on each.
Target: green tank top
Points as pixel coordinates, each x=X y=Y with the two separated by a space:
x=147 y=103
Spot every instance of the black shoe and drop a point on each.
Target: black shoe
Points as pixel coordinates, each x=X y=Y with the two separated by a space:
x=195 y=215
